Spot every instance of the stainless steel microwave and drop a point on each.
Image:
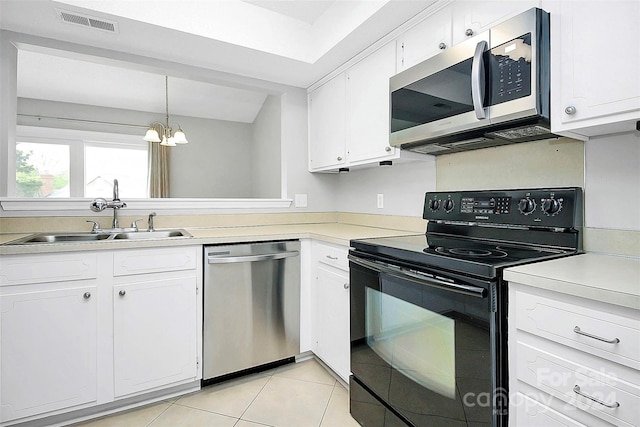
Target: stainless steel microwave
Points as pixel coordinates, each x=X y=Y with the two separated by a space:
x=492 y=89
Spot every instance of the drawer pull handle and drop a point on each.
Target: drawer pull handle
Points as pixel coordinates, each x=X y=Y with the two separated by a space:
x=578 y=331
x=332 y=257
x=576 y=390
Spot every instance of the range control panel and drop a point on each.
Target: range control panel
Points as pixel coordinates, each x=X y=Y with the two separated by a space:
x=545 y=207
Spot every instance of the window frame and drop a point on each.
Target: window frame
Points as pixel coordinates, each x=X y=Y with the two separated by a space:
x=77 y=142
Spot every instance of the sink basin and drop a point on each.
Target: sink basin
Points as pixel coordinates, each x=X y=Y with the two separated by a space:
x=142 y=235
x=97 y=237
x=62 y=237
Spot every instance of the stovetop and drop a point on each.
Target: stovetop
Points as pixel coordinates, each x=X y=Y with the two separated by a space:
x=462 y=255
x=481 y=232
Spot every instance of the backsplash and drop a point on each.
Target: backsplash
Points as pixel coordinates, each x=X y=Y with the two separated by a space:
x=537 y=164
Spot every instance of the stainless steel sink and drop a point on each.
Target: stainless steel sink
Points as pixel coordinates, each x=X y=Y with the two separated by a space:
x=158 y=234
x=80 y=237
x=62 y=237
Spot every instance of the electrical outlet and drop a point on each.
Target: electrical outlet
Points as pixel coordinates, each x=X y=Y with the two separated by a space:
x=380 y=201
x=300 y=200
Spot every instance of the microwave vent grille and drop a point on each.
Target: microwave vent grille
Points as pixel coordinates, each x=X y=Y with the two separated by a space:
x=524 y=132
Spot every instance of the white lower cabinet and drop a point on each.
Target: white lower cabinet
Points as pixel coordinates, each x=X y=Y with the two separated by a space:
x=572 y=361
x=48 y=349
x=153 y=346
x=78 y=331
x=330 y=302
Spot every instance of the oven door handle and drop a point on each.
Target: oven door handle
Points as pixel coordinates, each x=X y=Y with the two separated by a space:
x=420 y=278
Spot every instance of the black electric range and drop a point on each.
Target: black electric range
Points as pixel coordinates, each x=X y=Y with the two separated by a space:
x=428 y=311
x=481 y=232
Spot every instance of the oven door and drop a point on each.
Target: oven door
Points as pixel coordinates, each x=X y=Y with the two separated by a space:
x=424 y=346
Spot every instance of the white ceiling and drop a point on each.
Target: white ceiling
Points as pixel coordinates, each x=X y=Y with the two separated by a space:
x=290 y=42
x=307 y=11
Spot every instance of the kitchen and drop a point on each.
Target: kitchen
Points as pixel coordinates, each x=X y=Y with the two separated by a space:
x=605 y=166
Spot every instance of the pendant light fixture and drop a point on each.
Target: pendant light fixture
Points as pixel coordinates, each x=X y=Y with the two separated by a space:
x=156 y=129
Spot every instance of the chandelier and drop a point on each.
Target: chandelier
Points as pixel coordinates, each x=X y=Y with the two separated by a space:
x=169 y=138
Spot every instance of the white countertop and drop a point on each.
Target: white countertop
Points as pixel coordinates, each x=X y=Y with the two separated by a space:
x=612 y=279
x=606 y=278
x=329 y=232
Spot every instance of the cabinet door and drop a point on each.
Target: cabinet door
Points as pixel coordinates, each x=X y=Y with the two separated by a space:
x=48 y=350
x=154 y=333
x=426 y=39
x=332 y=320
x=368 y=105
x=595 y=66
x=327 y=125
x=471 y=17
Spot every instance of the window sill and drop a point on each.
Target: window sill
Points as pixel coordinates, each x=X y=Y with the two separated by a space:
x=35 y=206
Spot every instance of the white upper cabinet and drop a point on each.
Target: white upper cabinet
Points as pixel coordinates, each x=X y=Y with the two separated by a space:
x=453 y=24
x=472 y=17
x=595 y=67
x=428 y=38
x=327 y=125
x=368 y=106
x=349 y=116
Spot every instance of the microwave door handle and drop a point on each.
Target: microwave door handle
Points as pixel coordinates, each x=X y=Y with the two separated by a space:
x=478 y=80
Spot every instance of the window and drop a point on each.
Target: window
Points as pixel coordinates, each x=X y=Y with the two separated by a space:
x=42 y=170
x=105 y=162
x=66 y=164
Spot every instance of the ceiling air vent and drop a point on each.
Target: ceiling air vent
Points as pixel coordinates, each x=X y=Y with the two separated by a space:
x=87 y=21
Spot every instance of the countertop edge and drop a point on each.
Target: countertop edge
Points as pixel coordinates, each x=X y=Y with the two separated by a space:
x=544 y=275
x=335 y=233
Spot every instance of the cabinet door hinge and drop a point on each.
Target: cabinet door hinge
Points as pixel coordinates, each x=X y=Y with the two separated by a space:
x=197 y=362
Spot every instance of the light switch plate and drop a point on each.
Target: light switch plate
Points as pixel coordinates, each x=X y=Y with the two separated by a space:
x=380 y=201
x=300 y=200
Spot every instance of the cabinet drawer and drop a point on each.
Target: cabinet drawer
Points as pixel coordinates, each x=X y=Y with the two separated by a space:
x=30 y=269
x=618 y=399
x=335 y=256
x=531 y=413
x=568 y=323
x=157 y=260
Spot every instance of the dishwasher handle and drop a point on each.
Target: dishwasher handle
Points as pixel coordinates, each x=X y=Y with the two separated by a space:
x=226 y=259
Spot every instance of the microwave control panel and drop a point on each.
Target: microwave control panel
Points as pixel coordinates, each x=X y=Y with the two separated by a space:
x=510 y=68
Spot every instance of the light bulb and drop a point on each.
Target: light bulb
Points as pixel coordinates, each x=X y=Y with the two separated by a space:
x=151 y=135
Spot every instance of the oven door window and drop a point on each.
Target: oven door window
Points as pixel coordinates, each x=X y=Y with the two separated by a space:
x=417 y=342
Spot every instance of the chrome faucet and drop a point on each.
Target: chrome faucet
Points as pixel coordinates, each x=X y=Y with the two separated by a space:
x=116 y=192
x=100 y=204
x=150 y=222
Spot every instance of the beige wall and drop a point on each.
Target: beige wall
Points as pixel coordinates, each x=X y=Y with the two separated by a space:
x=537 y=164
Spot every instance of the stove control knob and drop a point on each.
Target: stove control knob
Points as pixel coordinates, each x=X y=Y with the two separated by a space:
x=551 y=206
x=448 y=205
x=526 y=206
x=434 y=204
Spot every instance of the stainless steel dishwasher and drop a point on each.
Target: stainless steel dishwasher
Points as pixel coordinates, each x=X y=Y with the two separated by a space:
x=251 y=307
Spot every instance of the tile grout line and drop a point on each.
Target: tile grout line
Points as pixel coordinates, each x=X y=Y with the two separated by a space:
x=160 y=414
x=253 y=400
x=328 y=401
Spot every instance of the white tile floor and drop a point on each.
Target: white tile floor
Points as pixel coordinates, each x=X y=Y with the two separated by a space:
x=297 y=395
